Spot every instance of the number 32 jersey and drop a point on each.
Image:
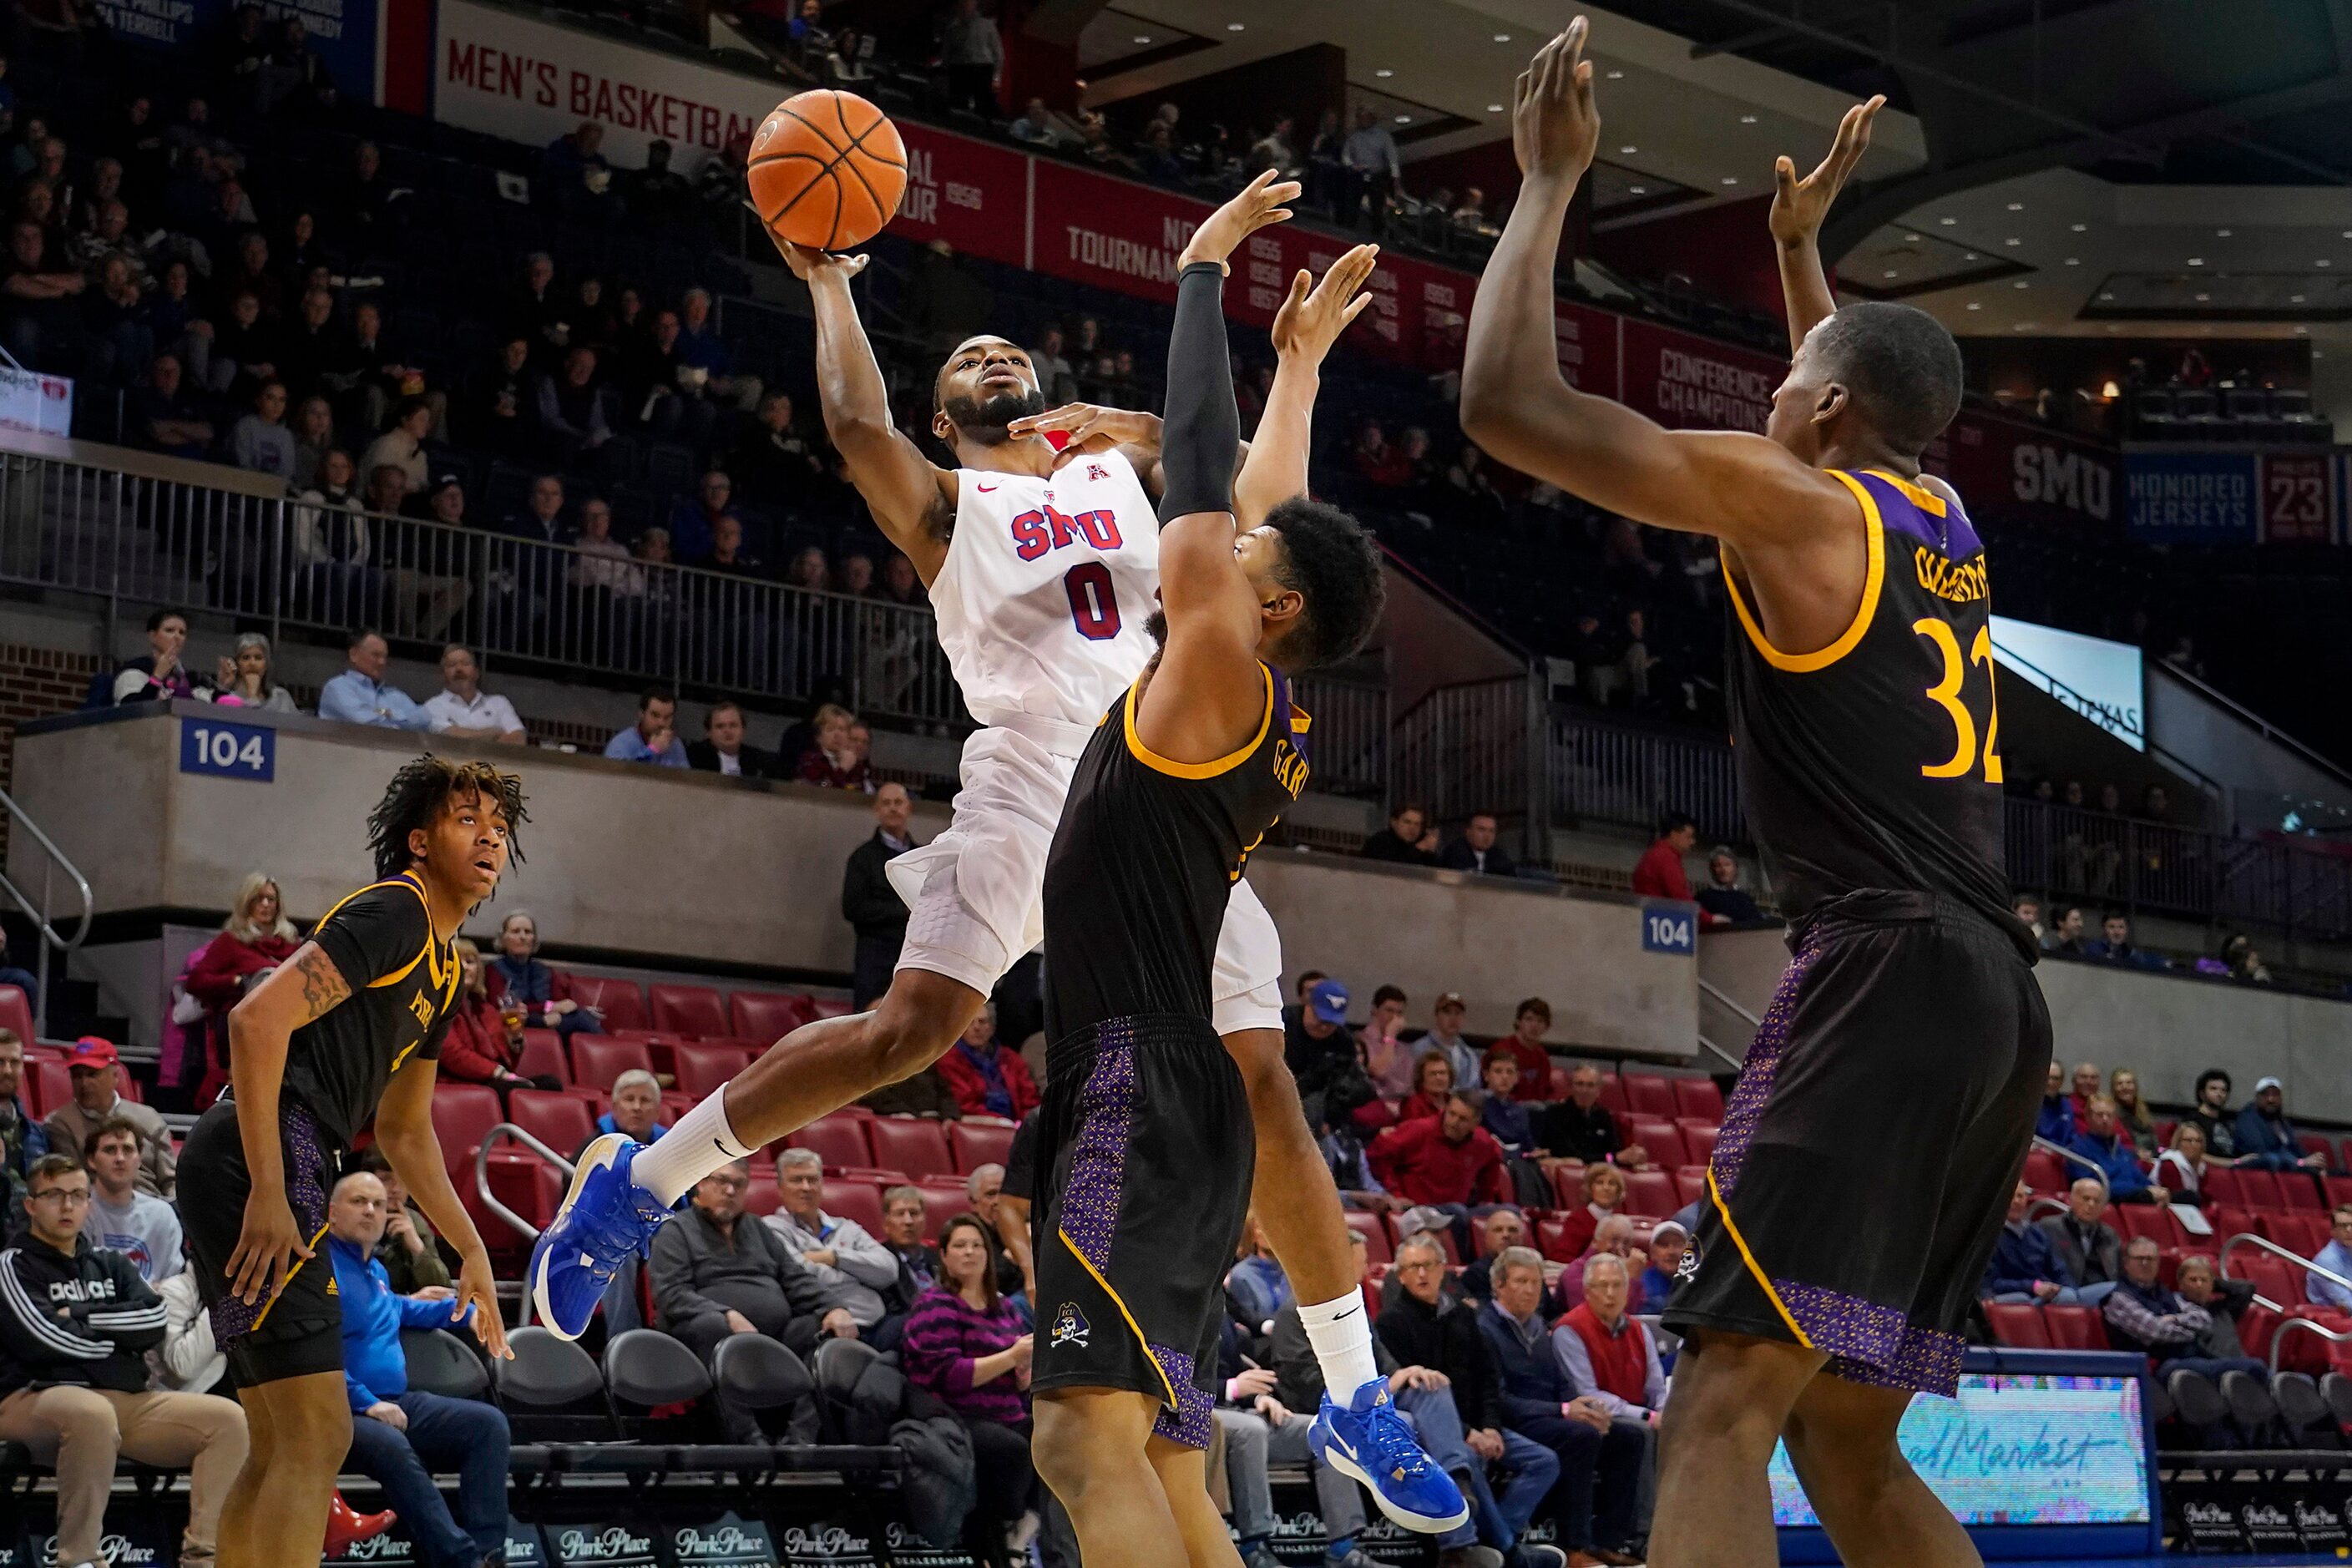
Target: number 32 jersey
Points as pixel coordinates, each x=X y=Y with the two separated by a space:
x=1047 y=586
x=1876 y=762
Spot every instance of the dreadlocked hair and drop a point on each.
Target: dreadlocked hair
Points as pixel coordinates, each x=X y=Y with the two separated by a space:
x=421 y=790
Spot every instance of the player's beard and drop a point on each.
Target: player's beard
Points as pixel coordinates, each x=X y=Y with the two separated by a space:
x=985 y=420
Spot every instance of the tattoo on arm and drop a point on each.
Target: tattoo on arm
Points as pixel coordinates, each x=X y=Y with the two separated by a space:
x=323 y=986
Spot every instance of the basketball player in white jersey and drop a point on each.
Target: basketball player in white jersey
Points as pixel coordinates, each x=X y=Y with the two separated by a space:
x=1043 y=565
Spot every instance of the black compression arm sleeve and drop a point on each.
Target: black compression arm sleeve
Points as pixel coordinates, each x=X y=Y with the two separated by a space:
x=1200 y=438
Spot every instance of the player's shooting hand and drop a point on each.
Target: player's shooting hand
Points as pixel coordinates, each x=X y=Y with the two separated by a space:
x=1799 y=205
x=1091 y=428
x=1309 y=322
x=809 y=264
x=478 y=1298
x=266 y=1248
x=1258 y=205
x=1555 y=129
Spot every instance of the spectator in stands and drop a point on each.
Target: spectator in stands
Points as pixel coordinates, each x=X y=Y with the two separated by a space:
x=722 y=749
x=966 y=1346
x=410 y=1250
x=76 y=1322
x=2335 y=1258
x=2111 y=1151
x=1257 y=1283
x=92 y=1067
x=2225 y=1301
x=1499 y=1231
x=1581 y=1128
x=851 y=1269
x=872 y=907
x=2115 y=946
x=1380 y=460
x=2064 y=938
x=1477 y=850
x=2266 y=1137
x=904 y=1215
x=1504 y=1114
x=988 y=1079
x=2086 y=1245
x=1036 y=126
x=164 y=673
x=972 y=52
x=2024 y=1266
x=985 y=1188
x=1055 y=380
x=1432 y=1086
x=1613 y=1237
x=835 y=761
x=637 y=1107
x=2056 y=1119
x=2242 y=962
x=403 y=1436
x=255 y=939
x=1602 y=1188
x=259 y=441
x=1530 y=1021
x=2086 y=1089
x=654 y=737
x=2213 y=1117
x=1400 y=841
x=1387 y=1060
x=164 y=418
x=496 y=404
x=359 y=695
x=1445 y=1035
x=1659 y=874
x=484 y=1038
x=1669 y=1243
x=545 y=993
x=700 y=349
x=22 y=1139
x=402 y=447
x=122 y=1219
x=38 y=321
x=1600 y=1459
x=1723 y=900
x=2181 y=1168
x=2142 y=1315
x=1446 y=1164
x=2132 y=1118
x=571 y=405
x=1609 y=1356
x=1368 y=163
x=463 y=710
x=1424 y=1327
x=774 y=461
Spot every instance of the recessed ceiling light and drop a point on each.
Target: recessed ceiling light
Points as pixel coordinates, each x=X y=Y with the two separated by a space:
x=1730 y=179
x=1502 y=37
x=2113 y=328
x=2109 y=295
x=1404 y=119
x=1639 y=190
x=1974 y=306
x=2323 y=262
x=1628 y=151
x=2196 y=261
x=1746 y=119
x=2220 y=234
x=2017 y=206
x=1971 y=256
x=2202 y=298
x=2294 y=300
x=1142 y=37
x=1494 y=108
x=1947 y=222
x=2347 y=233
x=2299 y=332
x=2078 y=227
x=1890 y=272
x=1384 y=73
x=2021 y=326
x=2012 y=241
x=1913 y=239
x=1232 y=27
x=2020 y=283
x=2074 y=261
x=1620 y=75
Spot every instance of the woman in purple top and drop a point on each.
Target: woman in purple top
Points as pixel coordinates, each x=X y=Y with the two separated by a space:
x=965 y=1344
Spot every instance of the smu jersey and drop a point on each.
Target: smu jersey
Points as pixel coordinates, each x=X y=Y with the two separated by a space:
x=1047 y=585
x=1875 y=762
x=1146 y=855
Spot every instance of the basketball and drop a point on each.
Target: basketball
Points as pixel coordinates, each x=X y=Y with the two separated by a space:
x=826 y=170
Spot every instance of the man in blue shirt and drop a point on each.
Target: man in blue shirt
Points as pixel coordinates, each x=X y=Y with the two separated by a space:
x=2336 y=1259
x=2114 y=1155
x=400 y=1435
x=359 y=695
x=2025 y=1266
x=2055 y=1122
x=2266 y=1137
x=654 y=737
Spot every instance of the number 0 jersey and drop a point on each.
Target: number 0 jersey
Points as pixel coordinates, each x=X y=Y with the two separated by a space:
x=1876 y=762
x=1143 y=862
x=1046 y=588
x=403 y=986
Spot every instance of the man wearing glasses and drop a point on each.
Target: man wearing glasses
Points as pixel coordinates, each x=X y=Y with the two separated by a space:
x=75 y=1324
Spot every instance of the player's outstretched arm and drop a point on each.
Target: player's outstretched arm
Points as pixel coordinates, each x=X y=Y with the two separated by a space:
x=403 y=1129
x=1274 y=466
x=260 y=1033
x=1798 y=208
x=913 y=500
x=1517 y=405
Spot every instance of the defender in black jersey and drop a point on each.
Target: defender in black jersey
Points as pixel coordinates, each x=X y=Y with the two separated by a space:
x=1885 y=1110
x=345 y=1033
x=1144 y=1144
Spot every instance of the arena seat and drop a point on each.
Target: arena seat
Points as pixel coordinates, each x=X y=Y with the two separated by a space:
x=462 y=1113
x=2260 y=1188
x=760 y=1193
x=1698 y=1143
x=1699 y=1098
x=906 y=1143
x=2301 y=1234
x=2227 y=1220
x=977 y=1143
x=1649 y=1094
x=2137 y=1220
x=16 y=1012
x=1376 y=1236
x=829 y=1007
x=941 y=1204
x=855 y=1198
x=618 y=1003
x=694 y=1011
x=703 y=1069
x=1659 y=1139
x=1567 y=1182
x=1690 y=1184
x=2275 y=1278
x=839 y=1140
x=2074 y=1328
x=550 y=1390
x=542 y=1052
x=1650 y=1195
x=2223 y=1185
x=2318 y=1143
x=2018 y=1325
x=2344 y=1163
x=766 y=1015
x=1612 y=1093
x=598 y=1060
x=2301 y=1190
x=53 y=1082
x=2044 y=1172
x=558 y=1120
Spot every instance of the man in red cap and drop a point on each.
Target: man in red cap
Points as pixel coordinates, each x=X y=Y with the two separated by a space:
x=98 y=1098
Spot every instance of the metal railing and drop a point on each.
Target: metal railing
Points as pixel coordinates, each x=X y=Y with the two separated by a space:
x=1347 y=741
x=490 y=1201
x=1624 y=777
x=2071 y=1157
x=2264 y=1243
x=2131 y=864
x=1463 y=749
x=2300 y=1326
x=54 y=862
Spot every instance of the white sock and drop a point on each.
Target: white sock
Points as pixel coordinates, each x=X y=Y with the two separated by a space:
x=701 y=1143
x=1341 y=1332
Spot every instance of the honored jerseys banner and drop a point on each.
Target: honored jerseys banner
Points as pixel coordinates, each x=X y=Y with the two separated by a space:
x=2193 y=496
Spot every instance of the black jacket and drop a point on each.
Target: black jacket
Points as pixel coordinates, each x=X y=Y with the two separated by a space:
x=1444 y=1338
x=1459 y=856
x=83 y=1318
x=757 y=764
x=1386 y=846
x=868 y=902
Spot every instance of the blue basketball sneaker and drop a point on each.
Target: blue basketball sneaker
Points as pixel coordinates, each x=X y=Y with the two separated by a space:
x=1368 y=1440
x=604 y=1219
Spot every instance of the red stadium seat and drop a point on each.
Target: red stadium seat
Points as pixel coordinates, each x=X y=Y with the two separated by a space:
x=2074 y=1328
x=838 y=1139
x=1659 y=1139
x=51 y=1081
x=2339 y=1191
x=2301 y=1190
x=598 y=1060
x=542 y=1052
x=1690 y=1184
x=703 y=1069
x=976 y=1143
x=2223 y=1185
x=915 y=1147
x=2018 y=1325
x=694 y=1011
x=2164 y=1126
x=2345 y=1163
x=1612 y=1093
x=2301 y=1234
x=760 y=1194
x=941 y=1204
x=558 y=1120
x=2045 y=1173
x=2315 y=1143
x=2135 y=1220
x=1649 y=1094
x=1699 y=1098
x=462 y=1113
x=1558 y=1080
x=857 y=1199
x=1650 y=1194
x=829 y=1007
x=2273 y=1278
x=1698 y=1143
x=766 y=1015
x=1375 y=1235
x=618 y=1003
x=17 y=1014
x=2260 y=1188
x=1567 y=1183
x=2227 y=1220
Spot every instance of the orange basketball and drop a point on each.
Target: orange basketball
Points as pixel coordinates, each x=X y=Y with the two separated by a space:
x=827 y=169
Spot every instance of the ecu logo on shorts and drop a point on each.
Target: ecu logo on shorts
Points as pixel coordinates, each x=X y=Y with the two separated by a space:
x=1069 y=1326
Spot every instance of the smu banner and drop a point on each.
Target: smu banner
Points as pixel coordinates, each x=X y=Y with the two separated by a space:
x=1991 y=460
x=345 y=33
x=2193 y=497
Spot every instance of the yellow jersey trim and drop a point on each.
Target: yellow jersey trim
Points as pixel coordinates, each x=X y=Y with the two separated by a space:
x=435 y=967
x=1918 y=495
x=1223 y=764
x=299 y=1264
x=1749 y=1258
x=1087 y=1264
x=1873 y=578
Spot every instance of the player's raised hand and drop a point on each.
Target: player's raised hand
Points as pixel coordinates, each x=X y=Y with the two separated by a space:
x=808 y=263
x=1091 y=428
x=1222 y=232
x=1309 y=322
x=1555 y=128
x=1799 y=205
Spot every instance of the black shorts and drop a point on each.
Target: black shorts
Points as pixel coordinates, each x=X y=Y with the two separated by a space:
x=1868 y=1154
x=1147 y=1148
x=300 y=1331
